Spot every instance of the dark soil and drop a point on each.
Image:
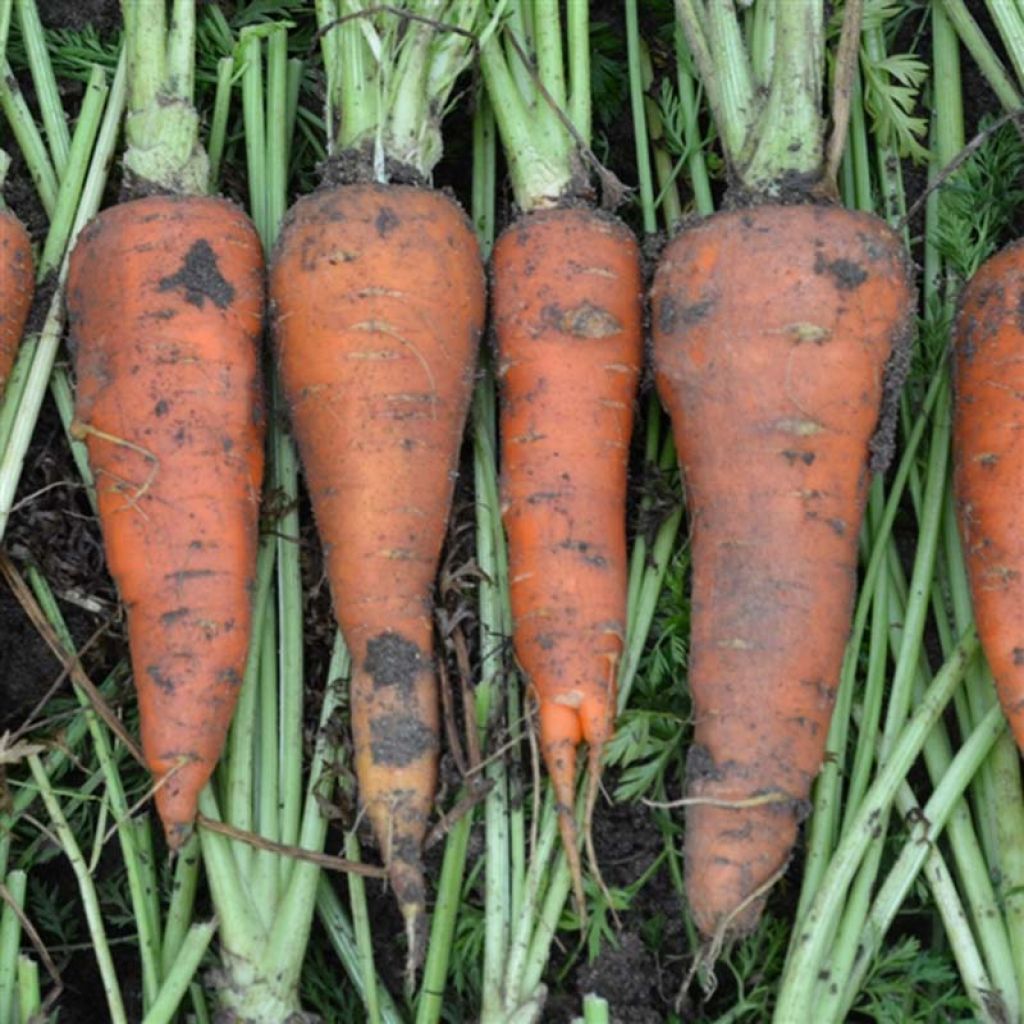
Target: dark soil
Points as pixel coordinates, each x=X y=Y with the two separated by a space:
x=102 y=15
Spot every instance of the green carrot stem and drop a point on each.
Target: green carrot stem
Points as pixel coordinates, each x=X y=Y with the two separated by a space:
x=982 y=53
x=87 y=893
x=807 y=949
x=29 y=996
x=26 y=134
x=47 y=93
x=219 y=121
x=15 y=885
x=636 y=96
x=162 y=126
x=182 y=970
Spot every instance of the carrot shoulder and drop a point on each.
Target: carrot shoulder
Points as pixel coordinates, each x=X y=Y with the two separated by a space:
x=989 y=465
x=379 y=299
x=772 y=331
x=165 y=296
x=16 y=287
x=568 y=315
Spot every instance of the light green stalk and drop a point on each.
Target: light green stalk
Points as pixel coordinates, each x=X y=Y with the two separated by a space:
x=162 y=125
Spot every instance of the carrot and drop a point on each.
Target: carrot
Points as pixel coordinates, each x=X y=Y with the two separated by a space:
x=379 y=299
x=772 y=330
x=16 y=287
x=378 y=289
x=568 y=318
x=568 y=300
x=989 y=464
x=775 y=326
x=165 y=298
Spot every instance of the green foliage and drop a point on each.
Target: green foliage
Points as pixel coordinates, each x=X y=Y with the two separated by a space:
x=980 y=201
x=892 y=86
x=910 y=983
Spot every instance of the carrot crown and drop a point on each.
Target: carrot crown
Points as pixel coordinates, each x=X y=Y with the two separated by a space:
x=543 y=115
x=390 y=71
x=162 y=126
x=766 y=94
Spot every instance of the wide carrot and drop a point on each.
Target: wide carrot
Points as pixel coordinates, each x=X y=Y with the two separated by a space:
x=567 y=313
x=568 y=319
x=774 y=326
x=378 y=292
x=989 y=465
x=165 y=301
x=17 y=276
x=772 y=330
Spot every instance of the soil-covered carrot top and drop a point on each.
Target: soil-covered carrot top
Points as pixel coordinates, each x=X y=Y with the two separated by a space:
x=163 y=152
x=390 y=73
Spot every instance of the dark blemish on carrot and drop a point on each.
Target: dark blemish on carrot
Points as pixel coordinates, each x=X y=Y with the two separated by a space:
x=163 y=681
x=169 y=618
x=1018 y=655
x=583 y=547
x=386 y=221
x=698 y=311
x=184 y=575
x=545 y=641
x=989 y=460
x=408 y=443
x=541 y=497
x=399 y=738
x=161 y=407
x=392 y=660
x=667 y=315
x=179 y=436
x=195 y=545
x=200 y=278
x=584 y=321
x=847 y=274
x=792 y=456
x=838 y=526
x=231 y=676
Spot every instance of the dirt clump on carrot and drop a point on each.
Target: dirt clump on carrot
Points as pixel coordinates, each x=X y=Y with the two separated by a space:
x=568 y=316
x=165 y=297
x=16 y=289
x=773 y=330
x=988 y=450
x=378 y=294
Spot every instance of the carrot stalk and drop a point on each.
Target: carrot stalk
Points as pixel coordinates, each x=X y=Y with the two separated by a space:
x=45 y=83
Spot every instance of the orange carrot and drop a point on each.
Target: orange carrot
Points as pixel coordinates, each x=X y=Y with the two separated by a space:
x=379 y=299
x=165 y=296
x=989 y=465
x=16 y=287
x=568 y=315
x=772 y=330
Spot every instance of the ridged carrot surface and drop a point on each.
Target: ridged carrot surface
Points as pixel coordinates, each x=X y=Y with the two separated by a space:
x=165 y=296
x=772 y=331
x=379 y=299
x=568 y=316
x=988 y=449
x=16 y=288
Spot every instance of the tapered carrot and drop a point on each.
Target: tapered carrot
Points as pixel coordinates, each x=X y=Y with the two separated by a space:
x=379 y=305
x=989 y=465
x=16 y=288
x=774 y=326
x=378 y=291
x=772 y=330
x=568 y=302
x=567 y=309
x=165 y=297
